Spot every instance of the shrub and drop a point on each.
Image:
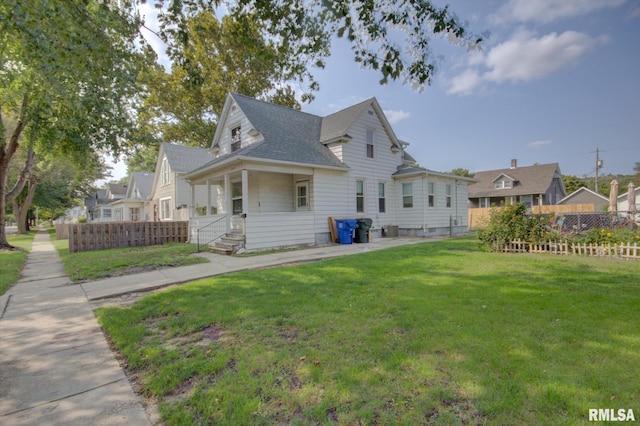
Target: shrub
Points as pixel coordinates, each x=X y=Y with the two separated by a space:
x=512 y=223
x=611 y=236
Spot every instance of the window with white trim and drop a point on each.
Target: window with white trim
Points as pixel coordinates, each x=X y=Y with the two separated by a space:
x=447 y=197
x=370 y=144
x=164 y=172
x=106 y=213
x=359 y=196
x=236 y=197
x=382 y=201
x=431 y=194
x=407 y=195
x=134 y=214
x=302 y=196
x=236 y=138
x=165 y=209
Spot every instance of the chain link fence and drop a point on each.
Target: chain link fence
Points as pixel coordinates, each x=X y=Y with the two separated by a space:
x=577 y=223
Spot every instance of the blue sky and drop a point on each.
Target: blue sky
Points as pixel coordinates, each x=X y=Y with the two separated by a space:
x=555 y=80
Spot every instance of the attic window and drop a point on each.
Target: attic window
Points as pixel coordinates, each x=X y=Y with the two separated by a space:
x=370 y=112
x=236 y=138
x=504 y=184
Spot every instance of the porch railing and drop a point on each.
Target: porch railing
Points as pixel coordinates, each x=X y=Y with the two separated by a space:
x=211 y=232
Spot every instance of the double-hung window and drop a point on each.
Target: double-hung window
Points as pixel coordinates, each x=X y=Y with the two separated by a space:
x=447 y=198
x=407 y=195
x=382 y=201
x=431 y=188
x=359 y=196
x=236 y=197
x=236 y=138
x=165 y=209
x=370 y=144
x=164 y=172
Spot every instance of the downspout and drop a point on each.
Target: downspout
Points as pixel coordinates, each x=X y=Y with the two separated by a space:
x=424 y=208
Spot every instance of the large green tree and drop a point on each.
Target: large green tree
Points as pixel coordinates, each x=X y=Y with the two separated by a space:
x=393 y=37
x=230 y=55
x=68 y=75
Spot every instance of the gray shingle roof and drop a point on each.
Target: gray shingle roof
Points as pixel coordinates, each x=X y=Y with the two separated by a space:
x=289 y=135
x=144 y=181
x=337 y=124
x=530 y=180
x=183 y=159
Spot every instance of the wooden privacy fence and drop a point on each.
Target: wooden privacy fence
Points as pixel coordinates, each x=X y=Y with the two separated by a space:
x=622 y=251
x=102 y=236
x=479 y=216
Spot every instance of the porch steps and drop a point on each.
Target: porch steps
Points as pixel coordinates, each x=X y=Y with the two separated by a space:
x=228 y=244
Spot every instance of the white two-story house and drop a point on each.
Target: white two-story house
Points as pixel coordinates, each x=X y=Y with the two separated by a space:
x=278 y=174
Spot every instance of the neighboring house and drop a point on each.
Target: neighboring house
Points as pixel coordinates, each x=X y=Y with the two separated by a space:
x=99 y=208
x=531 y=185
x=623 y=201
x=586 y=196
x=134 y=207
x=278 y=174
x=171 y=196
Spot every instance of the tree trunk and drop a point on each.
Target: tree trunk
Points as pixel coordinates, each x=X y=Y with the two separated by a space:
x=21 y=209
x=6 y=154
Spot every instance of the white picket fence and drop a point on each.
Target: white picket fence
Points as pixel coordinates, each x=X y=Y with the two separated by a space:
x=620 y=251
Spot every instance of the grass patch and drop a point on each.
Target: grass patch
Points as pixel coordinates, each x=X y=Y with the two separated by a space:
x=433 y=333
x=12 y=260
x=92 y=265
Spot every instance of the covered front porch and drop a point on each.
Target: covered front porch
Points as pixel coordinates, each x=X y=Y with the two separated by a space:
x=270 y=207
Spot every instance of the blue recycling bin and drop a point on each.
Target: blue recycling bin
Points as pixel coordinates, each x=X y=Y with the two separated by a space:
x=345 y=230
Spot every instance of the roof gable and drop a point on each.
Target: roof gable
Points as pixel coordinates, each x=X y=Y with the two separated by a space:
x=140 y=181
x=336 y=126
x=288 y=135
x=534 y=179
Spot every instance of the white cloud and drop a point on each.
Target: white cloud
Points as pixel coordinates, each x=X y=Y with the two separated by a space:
x=545 y=11
x=396 y=116
x=539 y=144
x=524 y=57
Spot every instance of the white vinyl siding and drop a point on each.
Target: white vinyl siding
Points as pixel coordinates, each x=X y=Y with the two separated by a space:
x=371 y=171
x=272 y=230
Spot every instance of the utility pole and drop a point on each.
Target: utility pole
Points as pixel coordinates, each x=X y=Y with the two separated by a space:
x=598 y=167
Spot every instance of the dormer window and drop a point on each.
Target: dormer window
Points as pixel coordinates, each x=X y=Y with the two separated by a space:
x=236 y=138
x=504 y=182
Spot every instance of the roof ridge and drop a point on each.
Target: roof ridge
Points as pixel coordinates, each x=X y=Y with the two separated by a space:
x=249 y=98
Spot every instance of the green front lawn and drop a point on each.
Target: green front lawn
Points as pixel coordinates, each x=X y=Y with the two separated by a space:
x=434 y=333
x=93 y=265
x=11 y=261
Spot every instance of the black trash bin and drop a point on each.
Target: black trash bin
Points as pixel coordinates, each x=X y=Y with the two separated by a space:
x=362 y=230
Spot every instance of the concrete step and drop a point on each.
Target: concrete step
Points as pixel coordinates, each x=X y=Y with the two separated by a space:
x=221 y=250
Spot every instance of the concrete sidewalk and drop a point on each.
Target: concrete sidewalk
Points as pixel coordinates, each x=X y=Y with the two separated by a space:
x=219 y=265
x=55 y=365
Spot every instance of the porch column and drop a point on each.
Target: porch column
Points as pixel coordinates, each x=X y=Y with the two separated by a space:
x=208 y=212
x=245 y=190
x=192 y=207
x=227 y=200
